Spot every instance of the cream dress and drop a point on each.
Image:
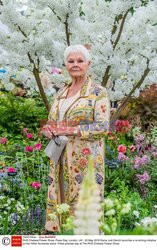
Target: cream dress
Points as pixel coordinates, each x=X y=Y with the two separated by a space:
x=92 y=106
x=65 y=105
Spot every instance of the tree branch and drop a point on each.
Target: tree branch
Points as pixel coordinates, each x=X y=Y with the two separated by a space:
x=67 y=30
x=120 y=29
x=36 y=74
x=107 y=74
x=59 y=18
x=39 y=83
x=65 y=23
x=41 y=90
x=114 y=29
x=139 y=83
x=38 y=61
x=23 y=33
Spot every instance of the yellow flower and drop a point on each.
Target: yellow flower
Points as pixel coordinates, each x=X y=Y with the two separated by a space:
x=99 y=159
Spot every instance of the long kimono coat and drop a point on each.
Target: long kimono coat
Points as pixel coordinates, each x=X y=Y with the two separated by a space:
x=91 y=112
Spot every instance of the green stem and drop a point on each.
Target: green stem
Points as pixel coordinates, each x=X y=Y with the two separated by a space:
x=119 y=223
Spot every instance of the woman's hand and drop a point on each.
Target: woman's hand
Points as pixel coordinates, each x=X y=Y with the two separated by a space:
x=47 y=131
x=65 y=130
x=50 y=131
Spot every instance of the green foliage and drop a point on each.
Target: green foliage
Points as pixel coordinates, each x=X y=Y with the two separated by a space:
x=120 y=190
x=19 y=112
x=120 y=183
x=9 y=207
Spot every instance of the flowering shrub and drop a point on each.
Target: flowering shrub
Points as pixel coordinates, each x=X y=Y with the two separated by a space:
x=130 y=174
x=11 y=211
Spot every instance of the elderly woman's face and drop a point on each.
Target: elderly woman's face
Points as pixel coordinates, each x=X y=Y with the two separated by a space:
x=77 y=65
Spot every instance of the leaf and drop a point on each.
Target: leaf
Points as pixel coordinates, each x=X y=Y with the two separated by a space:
x=5 y=227
x=13 y=230
x=29 y=180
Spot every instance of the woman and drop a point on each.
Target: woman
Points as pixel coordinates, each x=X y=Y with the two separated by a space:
x=85 y=108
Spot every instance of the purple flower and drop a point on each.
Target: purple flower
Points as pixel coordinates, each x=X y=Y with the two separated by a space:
x=143 y=177
x=140 y=161
x=139 y=146
x=137 y=162
x=144 y=160
x=154 y=154
x=154 y=151
x=122 y=157
x=139 y=139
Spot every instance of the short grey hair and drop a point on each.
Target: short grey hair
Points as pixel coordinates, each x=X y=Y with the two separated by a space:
x=76 y=48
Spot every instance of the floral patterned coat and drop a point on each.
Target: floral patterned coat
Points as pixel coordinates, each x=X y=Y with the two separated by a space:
x=93 y=105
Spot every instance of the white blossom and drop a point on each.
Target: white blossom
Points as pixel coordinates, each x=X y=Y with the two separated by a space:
x=35 y=33
x=110 y=212
x=109 y=203
x=136 y=213
x=148 y=221
x=126 y=208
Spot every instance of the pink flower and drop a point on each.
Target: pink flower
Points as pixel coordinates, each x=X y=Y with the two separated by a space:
x=86 y=151
x=29 y=135
x=143 y=177
x=3 y=140
x=28 y=148
x=122 y=157
x=154 y=154
x=55 y=70
x=11 y=170
x=122 y=148
x=36 y=185
x=25 y=130
x=38 y=146
x=132 y=148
